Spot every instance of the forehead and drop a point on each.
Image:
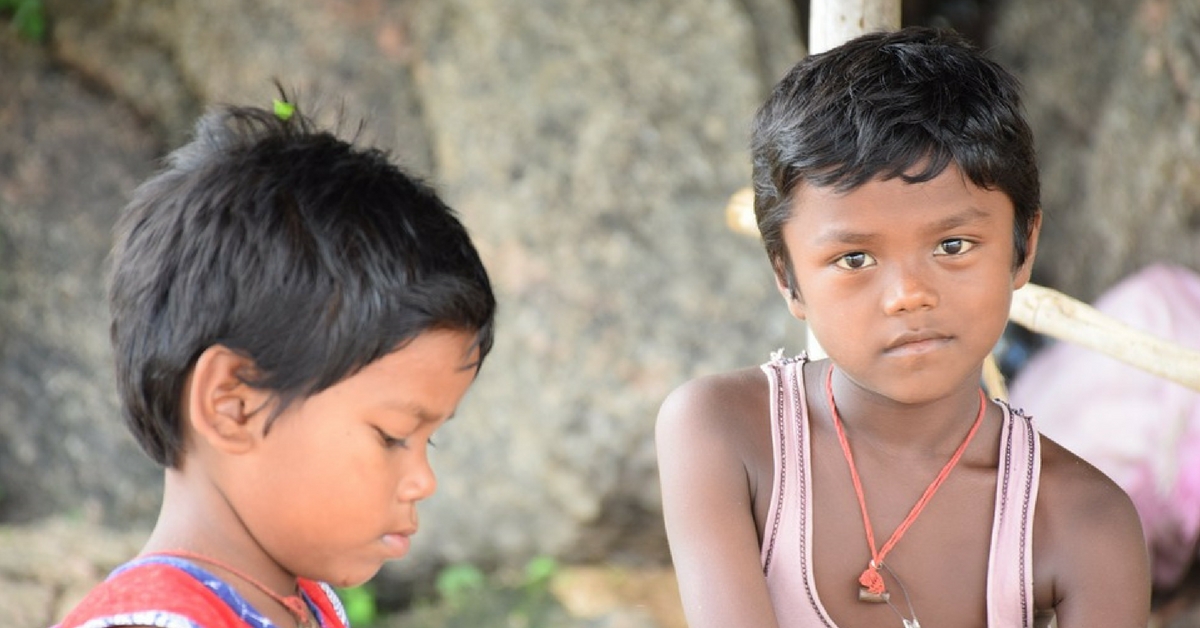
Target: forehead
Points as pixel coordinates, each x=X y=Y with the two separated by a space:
x=430 y=373
x=946 y=201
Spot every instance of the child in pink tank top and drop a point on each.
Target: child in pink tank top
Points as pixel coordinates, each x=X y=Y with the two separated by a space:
x=897 y=195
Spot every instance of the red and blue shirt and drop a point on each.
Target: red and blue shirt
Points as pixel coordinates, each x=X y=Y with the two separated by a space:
x=170 y=592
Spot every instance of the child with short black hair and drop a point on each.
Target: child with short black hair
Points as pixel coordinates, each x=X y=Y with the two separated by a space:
x=896 y=191
x=293 y=317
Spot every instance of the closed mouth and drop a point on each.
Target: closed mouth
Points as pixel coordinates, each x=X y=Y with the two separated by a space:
x=398 y=542
x=916 y=341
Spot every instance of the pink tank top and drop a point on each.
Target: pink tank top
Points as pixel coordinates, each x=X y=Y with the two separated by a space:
x=786 y=556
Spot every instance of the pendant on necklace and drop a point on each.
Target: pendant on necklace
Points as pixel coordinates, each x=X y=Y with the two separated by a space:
x=866 y=595
x=911 y=623
x=871 y=587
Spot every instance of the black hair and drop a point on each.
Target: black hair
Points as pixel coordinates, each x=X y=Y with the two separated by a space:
x=309 y=255
x=892 y=104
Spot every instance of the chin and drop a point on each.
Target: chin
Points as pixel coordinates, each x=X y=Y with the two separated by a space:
x=352 y=576
x=348 y=581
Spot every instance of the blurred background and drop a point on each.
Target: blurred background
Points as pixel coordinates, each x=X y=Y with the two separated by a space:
x=590 y=147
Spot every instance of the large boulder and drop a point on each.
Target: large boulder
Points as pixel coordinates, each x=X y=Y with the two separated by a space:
x=68 y=158
x=170 y=59
x=1113 y=93
x=590 y=148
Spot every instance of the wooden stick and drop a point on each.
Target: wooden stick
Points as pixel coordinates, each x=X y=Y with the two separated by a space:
x=834 y=22
x=1047 y=311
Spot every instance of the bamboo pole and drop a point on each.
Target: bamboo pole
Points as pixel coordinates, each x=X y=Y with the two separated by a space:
x=834 y=22
x=1057 y=315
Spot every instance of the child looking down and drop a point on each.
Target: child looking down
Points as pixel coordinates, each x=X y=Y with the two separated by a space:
x=293 y=317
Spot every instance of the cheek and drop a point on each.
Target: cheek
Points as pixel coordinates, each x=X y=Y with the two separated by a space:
x=330 y=459
x=375 y=479
x=830 y=299
x=989 y=306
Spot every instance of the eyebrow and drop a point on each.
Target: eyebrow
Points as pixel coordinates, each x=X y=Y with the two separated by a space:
x=844 y=236
x=422 y=414
x=968 y=215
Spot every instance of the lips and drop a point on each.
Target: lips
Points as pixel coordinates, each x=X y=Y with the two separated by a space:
x=398 y=542
x=917 y=342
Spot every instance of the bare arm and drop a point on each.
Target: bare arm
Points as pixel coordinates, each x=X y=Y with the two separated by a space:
x=707 y=508
x=1096 y=547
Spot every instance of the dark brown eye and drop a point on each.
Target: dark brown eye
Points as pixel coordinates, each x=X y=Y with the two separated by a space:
x=855 y=261
x=954 y=246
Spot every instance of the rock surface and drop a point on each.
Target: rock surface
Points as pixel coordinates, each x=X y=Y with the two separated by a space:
x=1113 y=93
x=68 y=158
x=46 y=568
x=594 y=185
x=590 y=148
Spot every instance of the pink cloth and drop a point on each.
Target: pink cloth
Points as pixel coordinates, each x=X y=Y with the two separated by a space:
x=786 y=549
x=1140 y=429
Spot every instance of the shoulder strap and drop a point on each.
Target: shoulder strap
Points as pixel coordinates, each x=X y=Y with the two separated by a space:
x=1010 y=565
x=780 y=371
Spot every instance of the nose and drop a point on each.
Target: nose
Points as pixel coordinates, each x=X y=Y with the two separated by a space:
x=418 y=480
x=909 y=288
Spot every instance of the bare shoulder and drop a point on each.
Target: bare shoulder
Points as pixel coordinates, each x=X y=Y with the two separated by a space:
x=724 y=415
x=721 y=402
x=1078 y=497
x=1077 y=491
x=1088 y=542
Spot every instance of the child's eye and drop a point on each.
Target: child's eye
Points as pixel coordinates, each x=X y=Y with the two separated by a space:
x=954 y=246
x=391 y=441
x=855 y=261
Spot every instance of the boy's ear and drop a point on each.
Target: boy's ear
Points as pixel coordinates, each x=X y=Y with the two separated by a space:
x=222 y=410
x=1025 y=271
x=791 y=297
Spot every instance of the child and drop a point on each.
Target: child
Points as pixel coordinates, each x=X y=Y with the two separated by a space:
x=293 y=319
x=896 y=191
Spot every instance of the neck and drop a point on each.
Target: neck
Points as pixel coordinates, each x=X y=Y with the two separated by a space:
x=932 y=428
x=196 y=517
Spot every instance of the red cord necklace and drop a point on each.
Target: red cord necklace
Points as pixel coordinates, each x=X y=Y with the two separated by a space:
x=872 y=587
x=294 y=604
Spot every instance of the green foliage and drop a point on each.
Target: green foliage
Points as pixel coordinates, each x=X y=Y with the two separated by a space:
x=360 y=605
x=467 y=598
x=456 y=584
x=541 y=570
x=28 y=18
